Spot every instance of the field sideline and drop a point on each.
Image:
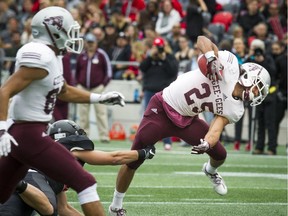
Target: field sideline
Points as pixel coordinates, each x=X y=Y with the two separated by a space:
x=173 y=184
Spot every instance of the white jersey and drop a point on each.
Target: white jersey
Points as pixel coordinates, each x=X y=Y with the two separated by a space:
x=36 y=102
x=192 y=93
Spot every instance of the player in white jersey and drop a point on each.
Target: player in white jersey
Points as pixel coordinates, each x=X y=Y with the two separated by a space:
x=35 y=85
x=174 y=112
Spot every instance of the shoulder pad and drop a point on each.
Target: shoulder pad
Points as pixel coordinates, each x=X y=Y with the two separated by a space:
x=34 y=54
x=77 y=142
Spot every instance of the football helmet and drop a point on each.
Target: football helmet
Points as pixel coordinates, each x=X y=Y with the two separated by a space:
x=56 y=26
x=64 y=128
x=254 y=75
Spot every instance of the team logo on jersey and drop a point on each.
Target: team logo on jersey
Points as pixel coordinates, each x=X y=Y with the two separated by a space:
x=154 y=110
x=55 y=21
x=224 y=97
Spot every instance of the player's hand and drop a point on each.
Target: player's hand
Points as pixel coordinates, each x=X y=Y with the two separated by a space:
x=147 y=153
x=112 y=98
x=214 y=69
x=5 y=140
x=203 y=147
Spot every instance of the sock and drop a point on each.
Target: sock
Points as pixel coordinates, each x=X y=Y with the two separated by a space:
x=117 y=200
x=210 y=169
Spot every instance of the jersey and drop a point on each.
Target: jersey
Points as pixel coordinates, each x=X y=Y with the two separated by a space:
x=36 y=102
x=192 y=93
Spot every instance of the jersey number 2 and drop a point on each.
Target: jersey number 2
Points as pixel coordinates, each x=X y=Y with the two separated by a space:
x=199 y=95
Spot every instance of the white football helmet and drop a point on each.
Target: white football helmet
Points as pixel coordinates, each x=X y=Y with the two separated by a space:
x=56 y=26
x=254 y=75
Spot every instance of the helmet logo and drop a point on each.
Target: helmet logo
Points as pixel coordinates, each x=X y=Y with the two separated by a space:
x=55 y=21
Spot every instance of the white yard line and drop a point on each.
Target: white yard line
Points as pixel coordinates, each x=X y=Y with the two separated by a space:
x=226 y=174
x=196 y=203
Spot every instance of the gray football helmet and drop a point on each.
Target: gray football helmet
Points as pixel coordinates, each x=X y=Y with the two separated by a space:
x=56 y=26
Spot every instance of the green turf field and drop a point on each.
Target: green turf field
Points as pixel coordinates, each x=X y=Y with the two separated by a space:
x=173 y=184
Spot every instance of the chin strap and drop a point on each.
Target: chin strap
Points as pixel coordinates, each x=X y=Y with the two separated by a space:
x=247 y=95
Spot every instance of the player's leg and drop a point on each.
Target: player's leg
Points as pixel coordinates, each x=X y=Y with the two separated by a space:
x=150 y=131
x=51 y=158
x=192 y=135
x=11 y=172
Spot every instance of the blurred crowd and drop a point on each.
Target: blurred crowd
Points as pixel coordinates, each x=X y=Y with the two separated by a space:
x=126 y=32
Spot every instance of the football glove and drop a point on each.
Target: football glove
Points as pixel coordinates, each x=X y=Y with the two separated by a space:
x=112 y=98
x=214 y=68
x=203 y=147
x=147 y=153
x=5 y=140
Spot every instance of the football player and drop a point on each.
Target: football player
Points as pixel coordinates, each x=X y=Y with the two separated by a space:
x=221 y=89
x=34 y=87
x=46 y=196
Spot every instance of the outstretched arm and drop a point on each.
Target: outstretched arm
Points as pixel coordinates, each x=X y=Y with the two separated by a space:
x=75 y=95
x=115 y=157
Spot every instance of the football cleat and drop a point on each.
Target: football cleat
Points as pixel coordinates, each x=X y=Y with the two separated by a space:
x=217 y=181
x=117 y=212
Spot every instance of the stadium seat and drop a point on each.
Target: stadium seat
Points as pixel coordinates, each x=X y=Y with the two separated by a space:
x=218 y=30
x=223 y=17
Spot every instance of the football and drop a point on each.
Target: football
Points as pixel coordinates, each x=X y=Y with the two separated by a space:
x=202 y=64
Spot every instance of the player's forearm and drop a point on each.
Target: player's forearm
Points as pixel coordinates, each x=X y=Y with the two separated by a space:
x=74 y=95
x=35 y=198
x=4 y=98
x=107 y=158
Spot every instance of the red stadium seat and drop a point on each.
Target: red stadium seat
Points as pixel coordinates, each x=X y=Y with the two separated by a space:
x=223 y=17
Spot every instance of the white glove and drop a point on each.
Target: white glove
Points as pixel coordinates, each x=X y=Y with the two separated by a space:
x=214 y=67
x=5 y=140
x=112 y=98
x=203 y=147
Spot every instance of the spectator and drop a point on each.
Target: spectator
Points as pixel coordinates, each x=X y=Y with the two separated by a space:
x=61 y=109
x=119 y=20
x=184 y=55
x=121 y=52
x=12 y=51
x=99 y=33
x=240 y=51
x=93 y=73
x=13 y=25
x=131 y=8
x=2 y=56
x=132 y=33
x=194 y=19
x=250 y=18
x=94 y=17
x=277 y=21
x=167 y=18
x=137 y=56
x=265 y=112
x=173 y=37
x=26 y=35
x=5 y=14
x=159 y=69
x=148 y=16
x=260 y=31
x=108 y=42
x=280 y=56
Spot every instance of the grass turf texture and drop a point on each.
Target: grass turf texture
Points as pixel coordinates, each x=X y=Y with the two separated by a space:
x=173 y=184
